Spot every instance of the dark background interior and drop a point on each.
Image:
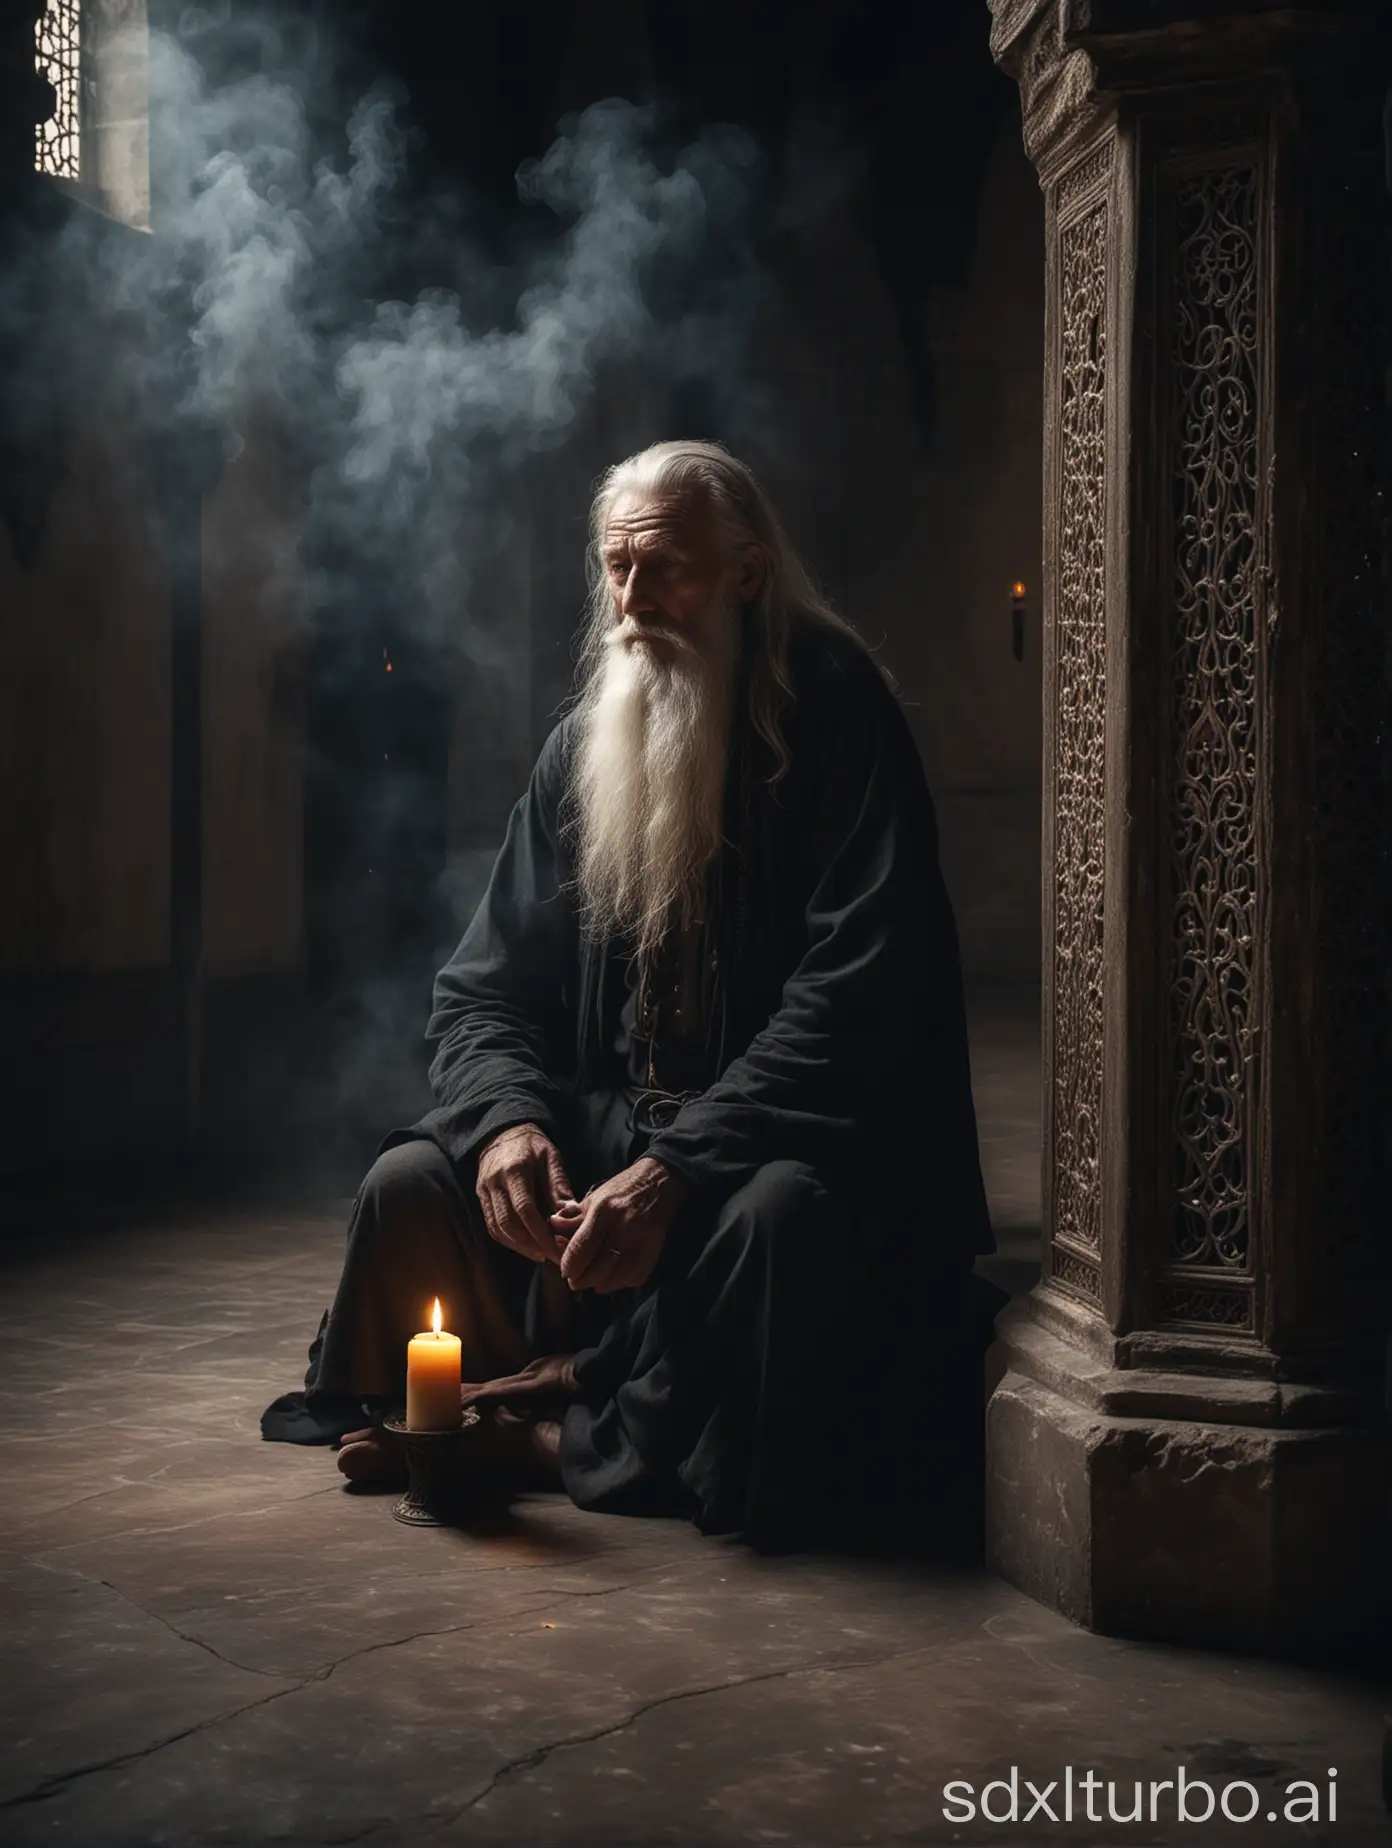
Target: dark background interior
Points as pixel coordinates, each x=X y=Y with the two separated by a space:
x=295 y=836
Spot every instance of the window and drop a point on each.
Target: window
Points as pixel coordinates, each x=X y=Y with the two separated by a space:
x=96 y=54
x=58 y=142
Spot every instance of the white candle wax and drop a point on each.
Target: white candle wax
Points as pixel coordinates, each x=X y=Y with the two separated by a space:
x=433 y=1374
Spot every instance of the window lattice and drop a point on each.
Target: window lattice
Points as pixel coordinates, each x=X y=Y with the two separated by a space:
x=58 y=142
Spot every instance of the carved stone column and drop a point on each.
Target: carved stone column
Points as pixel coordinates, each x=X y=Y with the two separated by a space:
x=1189 y=1441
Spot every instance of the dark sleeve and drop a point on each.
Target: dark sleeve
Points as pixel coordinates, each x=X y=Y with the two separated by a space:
x=840 y=1048
x=503 y=1024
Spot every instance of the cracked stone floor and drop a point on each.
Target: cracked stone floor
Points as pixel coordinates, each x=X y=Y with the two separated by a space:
x=207 y=1640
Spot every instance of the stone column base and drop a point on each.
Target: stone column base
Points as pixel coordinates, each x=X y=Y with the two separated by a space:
x=1183 y=1528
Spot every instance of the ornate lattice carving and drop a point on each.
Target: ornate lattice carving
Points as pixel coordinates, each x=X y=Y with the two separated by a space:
x=1200 y=1307
x=1078 y=737
x=1088 y=172
x=1213 y=709
x=58 y=142
x=1075 y=1274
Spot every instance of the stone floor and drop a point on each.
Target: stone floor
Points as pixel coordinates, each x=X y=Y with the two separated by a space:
x=207 y=1640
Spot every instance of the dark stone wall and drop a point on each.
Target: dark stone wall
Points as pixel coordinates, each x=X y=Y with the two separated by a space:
x=920 y=536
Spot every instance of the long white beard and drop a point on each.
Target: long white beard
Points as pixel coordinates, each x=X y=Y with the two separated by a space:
x=649 y=791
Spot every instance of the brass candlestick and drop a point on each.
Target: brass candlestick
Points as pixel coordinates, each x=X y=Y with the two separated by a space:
x=432 y=1496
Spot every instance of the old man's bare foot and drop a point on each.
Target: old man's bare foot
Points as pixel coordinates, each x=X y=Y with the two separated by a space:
x=494 y=1445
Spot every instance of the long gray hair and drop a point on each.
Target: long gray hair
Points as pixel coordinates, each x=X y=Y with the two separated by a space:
x=787 y=600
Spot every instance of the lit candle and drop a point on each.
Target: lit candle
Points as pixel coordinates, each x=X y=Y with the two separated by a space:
x=433 y=1374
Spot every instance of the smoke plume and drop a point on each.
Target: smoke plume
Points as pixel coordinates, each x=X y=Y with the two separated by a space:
x=412 y=361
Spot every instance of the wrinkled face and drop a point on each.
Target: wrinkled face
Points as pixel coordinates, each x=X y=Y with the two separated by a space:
x=669 y=571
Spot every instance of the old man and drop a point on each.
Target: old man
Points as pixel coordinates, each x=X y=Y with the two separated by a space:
x=701 y=1188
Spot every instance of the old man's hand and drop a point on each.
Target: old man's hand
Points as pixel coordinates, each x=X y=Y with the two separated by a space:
x=618 y=1234
x=521 y=1181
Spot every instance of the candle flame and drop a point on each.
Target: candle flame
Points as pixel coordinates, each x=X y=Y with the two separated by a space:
x=1017 y=589
x=435 y=1317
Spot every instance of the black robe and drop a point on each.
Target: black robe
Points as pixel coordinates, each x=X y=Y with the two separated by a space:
x=840 y=1033
x=813 y=1316
x=838 y=1043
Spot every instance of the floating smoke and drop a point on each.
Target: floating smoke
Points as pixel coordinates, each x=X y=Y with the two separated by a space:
x=271 y=294
x=258 y=285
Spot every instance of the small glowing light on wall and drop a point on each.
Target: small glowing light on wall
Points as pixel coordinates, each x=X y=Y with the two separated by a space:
x=1017 y=619
x=58 y=53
